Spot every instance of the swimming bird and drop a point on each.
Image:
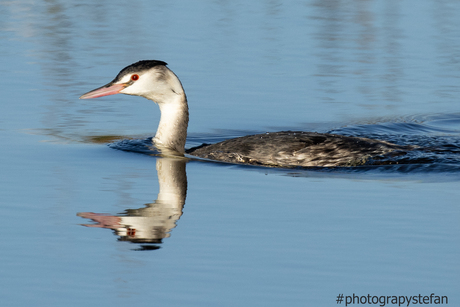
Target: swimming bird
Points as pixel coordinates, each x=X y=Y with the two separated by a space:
x=153 y=80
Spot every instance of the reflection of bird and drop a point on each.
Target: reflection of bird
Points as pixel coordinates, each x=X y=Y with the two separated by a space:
x=155 y=221
x=154 y=81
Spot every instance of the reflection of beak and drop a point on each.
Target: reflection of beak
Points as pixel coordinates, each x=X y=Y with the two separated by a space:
x=106 y=90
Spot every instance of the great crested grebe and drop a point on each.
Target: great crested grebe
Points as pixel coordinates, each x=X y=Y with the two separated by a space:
x=153 y=80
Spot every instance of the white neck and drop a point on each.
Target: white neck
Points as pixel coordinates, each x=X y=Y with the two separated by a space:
x=172 y=130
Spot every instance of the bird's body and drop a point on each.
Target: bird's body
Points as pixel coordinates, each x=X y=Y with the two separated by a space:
x=297 y=149
x=154 y=81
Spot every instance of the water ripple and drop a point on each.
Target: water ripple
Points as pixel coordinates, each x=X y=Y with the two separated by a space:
x=438 y=139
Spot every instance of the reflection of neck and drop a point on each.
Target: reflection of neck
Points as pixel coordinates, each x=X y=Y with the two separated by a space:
x=172 y=130
x=173 y=182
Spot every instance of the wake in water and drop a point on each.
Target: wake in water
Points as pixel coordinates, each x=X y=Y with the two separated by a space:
x=436 y=142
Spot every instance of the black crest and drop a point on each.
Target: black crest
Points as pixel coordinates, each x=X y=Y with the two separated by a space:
x=138 y=67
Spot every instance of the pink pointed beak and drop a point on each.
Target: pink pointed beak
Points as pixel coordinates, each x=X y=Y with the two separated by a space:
x=106 y=90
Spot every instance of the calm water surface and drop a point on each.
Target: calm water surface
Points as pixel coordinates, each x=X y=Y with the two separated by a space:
x=85 y=223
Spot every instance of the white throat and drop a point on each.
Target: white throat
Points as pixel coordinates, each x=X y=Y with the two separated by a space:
x=172 y=130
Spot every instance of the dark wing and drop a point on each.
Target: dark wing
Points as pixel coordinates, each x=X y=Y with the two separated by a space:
x=294 y=149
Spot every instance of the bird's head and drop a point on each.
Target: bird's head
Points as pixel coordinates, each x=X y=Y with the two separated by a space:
x=150 y=79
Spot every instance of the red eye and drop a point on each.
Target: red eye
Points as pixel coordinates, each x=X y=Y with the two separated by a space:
x=135 y=77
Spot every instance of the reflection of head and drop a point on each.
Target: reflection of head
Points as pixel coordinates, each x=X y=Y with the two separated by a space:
x=149 y=224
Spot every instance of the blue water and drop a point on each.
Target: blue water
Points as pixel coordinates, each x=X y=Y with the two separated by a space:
x=246 y=236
